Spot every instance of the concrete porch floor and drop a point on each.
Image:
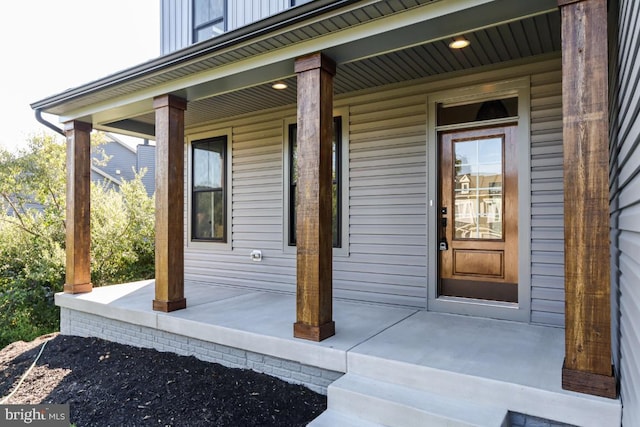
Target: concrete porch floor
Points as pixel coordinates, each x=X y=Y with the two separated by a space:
x=479 y=359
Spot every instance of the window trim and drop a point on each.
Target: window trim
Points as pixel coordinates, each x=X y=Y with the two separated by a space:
x=210 y=244
x=222 y=140
x=195 y=28
x=343 y=208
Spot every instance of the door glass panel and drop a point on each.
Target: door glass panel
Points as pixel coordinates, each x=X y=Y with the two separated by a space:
x=478 y=177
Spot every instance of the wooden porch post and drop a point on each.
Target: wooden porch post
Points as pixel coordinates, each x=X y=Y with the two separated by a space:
x=313 y=199
x=587 y=365
x=169 y=203
x=78 y=232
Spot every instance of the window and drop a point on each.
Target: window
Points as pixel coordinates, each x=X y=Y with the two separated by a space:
x=209 y=199
x=336 y=191
x=208 y=19
x=492 y=109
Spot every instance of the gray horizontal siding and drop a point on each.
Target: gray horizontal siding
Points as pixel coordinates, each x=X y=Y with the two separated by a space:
x=387 y=261
x=387 y=253
x=625 y=194
x=257 y=216
x=547 y=194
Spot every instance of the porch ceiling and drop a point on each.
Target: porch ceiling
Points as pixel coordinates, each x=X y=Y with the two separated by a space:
x=536 y=35
x=374 y=43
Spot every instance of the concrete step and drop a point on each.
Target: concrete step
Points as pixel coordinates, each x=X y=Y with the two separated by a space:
x=387 y=404
x=549 y=403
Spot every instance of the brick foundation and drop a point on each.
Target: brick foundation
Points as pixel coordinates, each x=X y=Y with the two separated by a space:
x=83 y=324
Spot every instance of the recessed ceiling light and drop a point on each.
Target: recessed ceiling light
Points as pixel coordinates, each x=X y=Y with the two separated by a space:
x=459 y=43
x=279 y=86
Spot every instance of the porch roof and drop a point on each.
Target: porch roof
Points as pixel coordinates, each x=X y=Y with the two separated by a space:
x=374 y=43
x=509 y=364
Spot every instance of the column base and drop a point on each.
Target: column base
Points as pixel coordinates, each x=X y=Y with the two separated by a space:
x=78 y=288
x=589 y=383
x=167 y=306
x=314 y=333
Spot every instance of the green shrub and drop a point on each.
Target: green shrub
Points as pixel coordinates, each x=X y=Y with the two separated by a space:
x=32 y=243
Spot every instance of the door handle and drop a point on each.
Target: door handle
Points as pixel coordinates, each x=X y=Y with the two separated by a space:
x=443 y=245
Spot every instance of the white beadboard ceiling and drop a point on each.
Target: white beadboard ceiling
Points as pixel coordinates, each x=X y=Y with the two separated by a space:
x=537 y=35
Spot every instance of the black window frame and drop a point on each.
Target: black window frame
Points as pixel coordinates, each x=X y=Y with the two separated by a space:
x=337 y=182
x=210 y=23
x=222 y=140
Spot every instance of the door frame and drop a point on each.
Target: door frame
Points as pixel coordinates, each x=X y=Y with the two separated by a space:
x=520 y=87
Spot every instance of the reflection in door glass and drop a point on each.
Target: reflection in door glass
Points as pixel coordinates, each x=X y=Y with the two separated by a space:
x=477 y=190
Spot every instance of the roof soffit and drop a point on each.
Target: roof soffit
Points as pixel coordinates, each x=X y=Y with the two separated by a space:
x=372 y=28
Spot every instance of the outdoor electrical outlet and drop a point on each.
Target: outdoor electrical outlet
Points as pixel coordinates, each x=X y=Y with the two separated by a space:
x=256 y=255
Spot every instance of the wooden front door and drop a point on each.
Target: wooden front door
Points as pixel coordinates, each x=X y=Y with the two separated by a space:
x=478 y=224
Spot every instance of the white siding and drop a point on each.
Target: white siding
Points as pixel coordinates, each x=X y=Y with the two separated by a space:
x=174 y=25
x=243 y=12
x=387 y=253
x=625 y=219
x=547 y=194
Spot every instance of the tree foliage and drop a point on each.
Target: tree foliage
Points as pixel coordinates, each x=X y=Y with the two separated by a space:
x=32 y=226
x=122 y=233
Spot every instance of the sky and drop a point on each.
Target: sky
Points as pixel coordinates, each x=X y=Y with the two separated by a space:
x=48 y=46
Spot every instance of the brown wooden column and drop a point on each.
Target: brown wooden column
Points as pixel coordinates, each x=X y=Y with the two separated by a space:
x=78 y=231
x=313 y=199
x=587 y=366
x=169 y=203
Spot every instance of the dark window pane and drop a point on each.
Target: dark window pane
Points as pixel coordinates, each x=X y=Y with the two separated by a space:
x=208 y=165
x=334 y=216
x=477 y=111
x=208 y=189
x=207 y=10
x=208 y=19
x=209 y=31
x=335 y=173
x=201 y=11
x=209 y=215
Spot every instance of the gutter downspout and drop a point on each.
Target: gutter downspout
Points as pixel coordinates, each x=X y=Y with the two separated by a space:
x=48 y=124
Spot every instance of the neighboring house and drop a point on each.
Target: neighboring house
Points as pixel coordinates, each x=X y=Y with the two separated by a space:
x=117 y=161
x=263 y=112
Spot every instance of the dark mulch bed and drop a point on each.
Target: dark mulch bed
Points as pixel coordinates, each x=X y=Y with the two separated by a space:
x=109 y=384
